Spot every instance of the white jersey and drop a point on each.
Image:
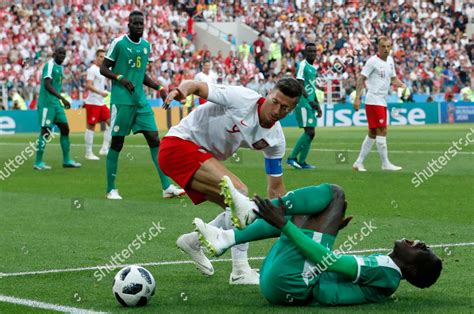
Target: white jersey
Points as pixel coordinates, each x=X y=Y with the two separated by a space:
x=98 y=80
x=379 y=75
x=229 y=120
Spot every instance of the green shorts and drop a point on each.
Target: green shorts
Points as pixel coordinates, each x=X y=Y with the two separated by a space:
x=126 y=118
x=306 y=116
x=286 y=276
x=49 y=116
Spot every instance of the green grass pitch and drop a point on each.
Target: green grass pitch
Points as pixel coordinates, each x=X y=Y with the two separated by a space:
x=59 y=219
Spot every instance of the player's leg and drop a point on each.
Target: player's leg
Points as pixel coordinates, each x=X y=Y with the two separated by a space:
x=92 y=116
x=60 y=120
x=45 y=119
x=206 y=180
x=66 y=146
x=89 y=140
x=121 y=122
x=381 y=141
x=299 y=204
x=309 y=131
x=381 y=137
x=41 y=145
x=369 y=139
x=301 y=113
x=105 y=116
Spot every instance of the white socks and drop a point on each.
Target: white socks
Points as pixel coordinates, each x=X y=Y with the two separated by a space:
x=89 y=140
x=365 y=149
x=381 y=142
x=107 y=138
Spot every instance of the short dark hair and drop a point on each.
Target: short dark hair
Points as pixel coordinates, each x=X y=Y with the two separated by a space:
x=290 y=87
x=99 y=51
x=427 y=271
x=134 y=13
x=59 y=49
x=309 y=44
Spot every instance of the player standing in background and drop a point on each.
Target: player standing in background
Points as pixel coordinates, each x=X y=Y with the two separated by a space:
x=232 y=117
x=307 y=111
x=51 y=112
x=301 y=267
x=96 y=109
x=379 y=71
x=128 y=57
x=206 y=75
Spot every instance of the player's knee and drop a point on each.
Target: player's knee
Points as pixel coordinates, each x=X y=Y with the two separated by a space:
x=309 y=132
x=117 y=143
x=337 y=192
x=45 y=132
x=64 y=129
x=152 y=139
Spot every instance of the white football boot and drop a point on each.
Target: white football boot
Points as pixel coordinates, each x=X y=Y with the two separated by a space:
x=241 y=207
x=189 y=244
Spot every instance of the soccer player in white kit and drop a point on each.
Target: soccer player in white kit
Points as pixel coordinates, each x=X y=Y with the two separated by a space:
x=96 y=109
x=191 y=153
x=379 y=71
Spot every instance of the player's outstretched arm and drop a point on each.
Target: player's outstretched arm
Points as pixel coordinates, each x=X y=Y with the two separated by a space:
x=49 y=87
x=186 y=88
x=315 y=252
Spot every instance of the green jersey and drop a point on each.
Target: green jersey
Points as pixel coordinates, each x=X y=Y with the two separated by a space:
x=307 y=72
x=130 y=60
x=53 y=71
x=377 y=279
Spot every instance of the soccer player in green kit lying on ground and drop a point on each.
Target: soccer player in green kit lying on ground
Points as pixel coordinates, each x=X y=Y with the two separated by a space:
x=300 y=268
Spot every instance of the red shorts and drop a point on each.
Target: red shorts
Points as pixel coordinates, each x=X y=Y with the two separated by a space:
x=376 y=116
x=179 y=159
x=97 y=113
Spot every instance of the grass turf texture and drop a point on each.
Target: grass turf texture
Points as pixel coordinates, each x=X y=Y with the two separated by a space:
x=42 y=228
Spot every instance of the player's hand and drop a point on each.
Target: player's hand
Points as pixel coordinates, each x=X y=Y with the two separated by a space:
x=66 y=103
x=175 y=94
x=356 y=104
x=104 y=94
x=127 y=84
x=163 y=94
x=316 y=107
x=274 y=215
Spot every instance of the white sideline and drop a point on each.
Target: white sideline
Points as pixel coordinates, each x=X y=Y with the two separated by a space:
x=288 y=149
x=46 y=306
x=67 y=270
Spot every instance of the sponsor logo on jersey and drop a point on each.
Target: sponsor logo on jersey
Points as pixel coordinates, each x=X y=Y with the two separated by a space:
x=243 y=122
x=261 y=144
x=145 y=51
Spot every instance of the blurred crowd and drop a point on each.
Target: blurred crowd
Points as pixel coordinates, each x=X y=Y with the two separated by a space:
x=430 y=46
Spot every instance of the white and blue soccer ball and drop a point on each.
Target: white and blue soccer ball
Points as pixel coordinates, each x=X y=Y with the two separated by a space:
x=133 y=286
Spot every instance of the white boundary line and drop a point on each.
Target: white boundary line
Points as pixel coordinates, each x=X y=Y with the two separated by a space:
x=288 y=149
x=67 y=270
x=46 y=306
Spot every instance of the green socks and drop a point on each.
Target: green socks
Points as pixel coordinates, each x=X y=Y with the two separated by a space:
x=307 y=201
x=305 y=150
x=165 y=181
x=64 y=141
x=303 y=143
x=40 y=151
x=304 y=201
x=111 y=168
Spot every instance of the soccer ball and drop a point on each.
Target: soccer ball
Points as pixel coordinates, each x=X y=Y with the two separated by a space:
x=133 y=286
